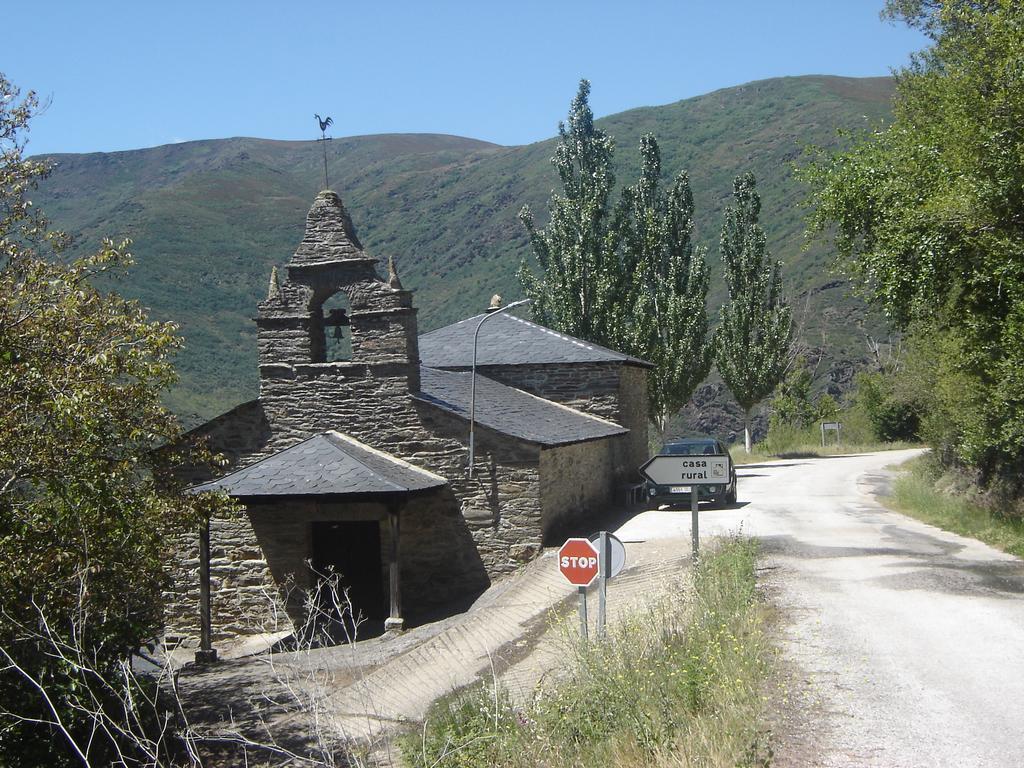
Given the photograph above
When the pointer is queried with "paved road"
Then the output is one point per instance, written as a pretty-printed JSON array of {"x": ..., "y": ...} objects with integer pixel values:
[{"x": 908, "y": 641}]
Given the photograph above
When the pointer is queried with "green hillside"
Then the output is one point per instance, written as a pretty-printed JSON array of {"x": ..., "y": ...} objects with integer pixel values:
[{"x": 210, "y": 218}]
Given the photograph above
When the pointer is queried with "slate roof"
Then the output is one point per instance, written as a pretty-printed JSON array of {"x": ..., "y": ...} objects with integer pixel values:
[
  {"x": 509, "y": 340},
  {"x": 511, "y": 411},
  {"x": 325, "y": 464}
]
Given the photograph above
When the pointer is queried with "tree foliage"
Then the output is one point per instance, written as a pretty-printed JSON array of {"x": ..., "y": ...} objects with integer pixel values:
[
  {"x": 627, "y": 276},
  {"x": 754, "y": 338},
  {"x": 87, "y": 508},
  {"x": 580, "y": 277},
  {"x": 667, "y": 284},
  {"x": 927, "y": 216}
]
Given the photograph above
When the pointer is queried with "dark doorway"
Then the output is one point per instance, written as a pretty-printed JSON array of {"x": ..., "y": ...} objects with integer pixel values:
[{"x": 351, "y": 550}]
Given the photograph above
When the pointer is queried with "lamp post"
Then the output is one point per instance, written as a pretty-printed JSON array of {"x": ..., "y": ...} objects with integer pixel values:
[{"x": 472, "y": 386}]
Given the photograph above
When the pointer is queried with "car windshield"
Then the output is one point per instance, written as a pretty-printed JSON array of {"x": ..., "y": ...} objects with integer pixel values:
[{"x": 690, "y": 449}]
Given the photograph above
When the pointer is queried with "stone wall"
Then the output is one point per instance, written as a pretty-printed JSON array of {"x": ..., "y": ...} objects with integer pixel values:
[
  {"x": 501, "y": 502},
  {"x": 576, "y": 482},
  {"x": 610, "y": 391},
  {"x": 589, "y": 387},
  {"x": 633, "y": 403},
  {"x": 243, "y": 593}
]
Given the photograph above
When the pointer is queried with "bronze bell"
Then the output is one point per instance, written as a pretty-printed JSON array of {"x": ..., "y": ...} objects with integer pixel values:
[{"x": 337, "y": 317}]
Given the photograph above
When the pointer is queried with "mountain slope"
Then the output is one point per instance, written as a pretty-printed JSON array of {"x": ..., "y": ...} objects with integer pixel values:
[{"x": 210, "y": 218}]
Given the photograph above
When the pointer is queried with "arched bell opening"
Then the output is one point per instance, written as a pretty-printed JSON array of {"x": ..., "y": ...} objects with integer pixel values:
[{"x": 330, "y": 330}]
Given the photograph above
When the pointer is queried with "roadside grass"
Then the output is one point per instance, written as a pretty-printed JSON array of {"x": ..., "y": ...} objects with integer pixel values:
[
  {"x": 809, "y": 451},
  {"x": 917, "y": 492},
  {"x": 785, "y": 442},
  {"x": 680, "y": 685}
]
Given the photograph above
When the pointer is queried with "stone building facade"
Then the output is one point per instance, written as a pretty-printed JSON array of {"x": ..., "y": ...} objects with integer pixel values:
[{"x": 360, "y": 465}]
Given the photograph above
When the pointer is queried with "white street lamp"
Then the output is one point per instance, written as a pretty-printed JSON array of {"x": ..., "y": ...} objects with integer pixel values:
[{"x": 472, "y": 390}]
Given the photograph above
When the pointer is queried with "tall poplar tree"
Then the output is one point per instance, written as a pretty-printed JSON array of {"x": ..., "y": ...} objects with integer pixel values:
[
  {"x": 754, "y": 338},
  {"x": 580, "y": 276},
  {"x": 664, "y": 298}
]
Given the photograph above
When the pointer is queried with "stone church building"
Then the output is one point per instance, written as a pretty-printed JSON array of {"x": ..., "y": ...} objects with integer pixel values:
[{"x": 359, "y": 465}]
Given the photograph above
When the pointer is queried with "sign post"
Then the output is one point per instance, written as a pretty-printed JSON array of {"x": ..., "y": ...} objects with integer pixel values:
[
  {"x": 604, "y": 562},
  {"x": 831, "y": 426},
  {"x": 694, "y": 523},
  {"x": 583, "y": 611},
  {"x": 684, "y": 473},
  {"x": 578, "y": 561},
  {"x": 611, "y": 559}
]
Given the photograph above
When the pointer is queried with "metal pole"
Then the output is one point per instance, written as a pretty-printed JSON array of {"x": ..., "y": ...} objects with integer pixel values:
[
  {"x": 327, "y": 183},
  {"x": 583, "y": 612},
  {"x": 605, "y": 567},
  {"x": 695, "y": 531},
  {"x": 472, "y": 386}
]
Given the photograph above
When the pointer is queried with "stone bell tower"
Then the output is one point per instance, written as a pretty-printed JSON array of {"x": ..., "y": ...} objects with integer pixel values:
[{"x": 295, "y": 375}]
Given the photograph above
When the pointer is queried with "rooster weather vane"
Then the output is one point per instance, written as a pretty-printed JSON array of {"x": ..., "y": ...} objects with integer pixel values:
[{"x": 325, "y": 123}]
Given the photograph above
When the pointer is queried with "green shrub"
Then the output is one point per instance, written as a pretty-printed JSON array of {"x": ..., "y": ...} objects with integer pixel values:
[{"x": 892, "y": 412}]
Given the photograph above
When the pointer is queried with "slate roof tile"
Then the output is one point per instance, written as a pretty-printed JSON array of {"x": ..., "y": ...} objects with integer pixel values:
[
  {"x": 509, "y": 340},
  {"x": 328, "y": 463},
  {"x": 512, "y": 411}
]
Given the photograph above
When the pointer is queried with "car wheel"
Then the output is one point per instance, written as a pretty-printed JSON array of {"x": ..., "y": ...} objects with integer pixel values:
[{"x": 730, "y": 497}]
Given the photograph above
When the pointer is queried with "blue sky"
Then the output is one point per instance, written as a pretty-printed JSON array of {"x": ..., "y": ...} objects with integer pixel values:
[{"x": 137, "y": 74}]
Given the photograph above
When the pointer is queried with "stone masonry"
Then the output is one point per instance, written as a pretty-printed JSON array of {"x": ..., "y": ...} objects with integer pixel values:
[{"x": 453, "y": 540}]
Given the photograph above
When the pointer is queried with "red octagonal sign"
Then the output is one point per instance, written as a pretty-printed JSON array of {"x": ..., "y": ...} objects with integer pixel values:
[{"x": 577, "y": 560}]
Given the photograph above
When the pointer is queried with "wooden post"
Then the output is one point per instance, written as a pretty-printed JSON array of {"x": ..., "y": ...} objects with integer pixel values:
[
  {"x": 206, "y": 653},
  {"x": 395, "y": 620}
]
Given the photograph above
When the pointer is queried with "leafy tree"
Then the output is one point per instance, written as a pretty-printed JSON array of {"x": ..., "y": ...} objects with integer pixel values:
[
  {"x": 827, "y": 408},
  {"x": 580, "y": 275},
  {"x": 792, "y": 405},
  {"x": 87, "y": 508},
  {"x": 756, "y": 331},
  {"x": 926, "y": 216},
  {"x": 665, "y": 296}
]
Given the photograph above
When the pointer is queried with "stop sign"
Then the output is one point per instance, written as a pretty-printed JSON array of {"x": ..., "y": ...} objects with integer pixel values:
[{"x": 577, "y": 560}]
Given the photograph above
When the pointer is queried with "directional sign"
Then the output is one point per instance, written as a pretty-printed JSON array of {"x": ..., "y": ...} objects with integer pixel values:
[
  {"x": 667, "y": 469},
  {"x": 577, "y": 560}
]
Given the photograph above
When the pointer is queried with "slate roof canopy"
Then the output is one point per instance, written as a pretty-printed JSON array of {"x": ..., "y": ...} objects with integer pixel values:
[
  {"x": 510, "y": 340},
  {"x": 326, "y": 464},
  {"x": 512, "y": 411},
  {"x": 329, "y": 234}
]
